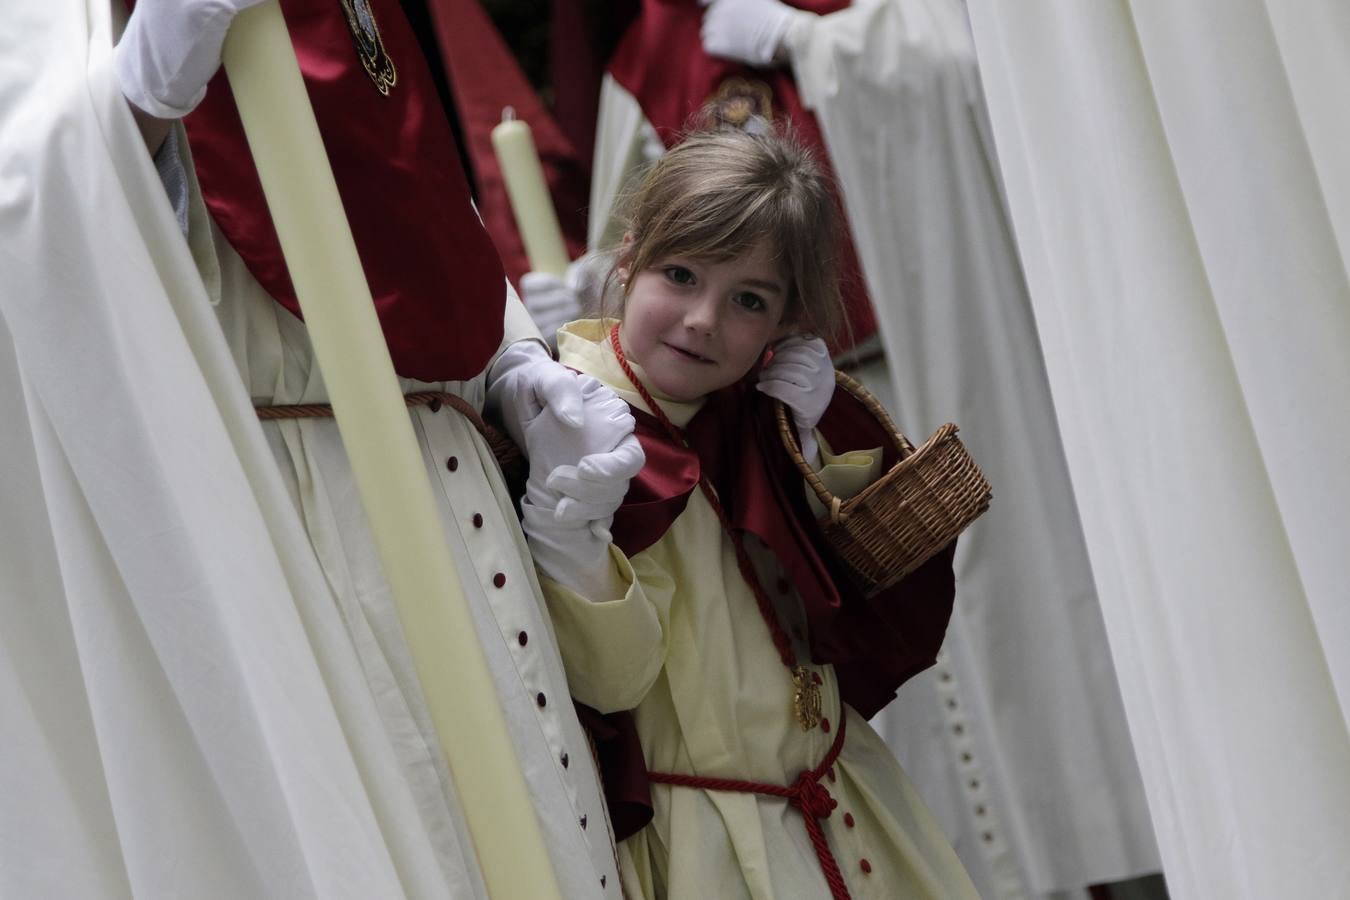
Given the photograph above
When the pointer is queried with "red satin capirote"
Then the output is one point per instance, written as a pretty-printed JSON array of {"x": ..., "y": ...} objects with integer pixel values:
[
  {"x": 661, "y": 62},
  {"x": 433, "y": 272}
]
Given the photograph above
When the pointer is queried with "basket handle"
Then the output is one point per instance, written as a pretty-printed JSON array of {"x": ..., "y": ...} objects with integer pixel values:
[{"x": 788, "y": 433}]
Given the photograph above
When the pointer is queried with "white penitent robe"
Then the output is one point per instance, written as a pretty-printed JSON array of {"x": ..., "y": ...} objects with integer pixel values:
[
  {"x": 1017, "y": 739},
  {"x": 204, "y": 690},
  {"x": 1020, "y": 727},
  {"x": 1179, "y": 179}
]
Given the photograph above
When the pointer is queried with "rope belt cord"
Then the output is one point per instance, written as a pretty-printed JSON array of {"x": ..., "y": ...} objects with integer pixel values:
[
  {"x": 503, "y": 448},
  {"x": 811, "y": 798},
  {"x": 432, "y": 399}
]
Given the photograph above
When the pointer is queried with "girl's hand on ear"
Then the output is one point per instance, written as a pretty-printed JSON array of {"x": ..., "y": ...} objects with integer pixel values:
[{"x": 801, "y": 375}]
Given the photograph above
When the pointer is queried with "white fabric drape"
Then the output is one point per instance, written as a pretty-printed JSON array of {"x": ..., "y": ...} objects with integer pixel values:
[
  {"x": 1179, "y": 182},
  {"x": 204, "y": 690},
  {"x": 1017, "y": 737},
  {"x": 154, "y": 602}
]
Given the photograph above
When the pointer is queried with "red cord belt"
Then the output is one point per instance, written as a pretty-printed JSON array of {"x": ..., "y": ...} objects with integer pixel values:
[{"x": 807, "y": 794}]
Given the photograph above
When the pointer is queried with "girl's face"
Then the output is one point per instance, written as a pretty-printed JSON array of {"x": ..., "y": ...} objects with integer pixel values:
[{"x": 696, "y": 325}]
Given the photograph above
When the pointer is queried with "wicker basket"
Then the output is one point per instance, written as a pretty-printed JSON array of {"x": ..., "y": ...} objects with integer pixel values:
[{"x": 899, "y": 521}]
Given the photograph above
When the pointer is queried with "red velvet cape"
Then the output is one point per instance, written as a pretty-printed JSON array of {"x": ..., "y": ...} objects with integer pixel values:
[
  {"x": 434, "y": 274},
  {"x": 875, "y": 644}
]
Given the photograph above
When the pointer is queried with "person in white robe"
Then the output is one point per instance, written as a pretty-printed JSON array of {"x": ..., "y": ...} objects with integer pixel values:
[{"x": 204, "y": 688}]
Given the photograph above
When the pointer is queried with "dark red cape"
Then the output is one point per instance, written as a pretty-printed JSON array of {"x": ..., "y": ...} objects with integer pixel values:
[
  {"x": 434, "y": 274},
  {"x": 875, "y": 644},
  {"x": 661, "y": 62}
]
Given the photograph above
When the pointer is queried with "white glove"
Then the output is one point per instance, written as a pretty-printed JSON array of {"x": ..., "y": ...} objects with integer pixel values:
[
  {"x": 586, "y": 469},
  {"x": 578, "y": 479},
  {"x": 605, "y": 421},
  {"x": 801, "y": 375},
  {"x": 169, "y": 51},
  {"x": 570, "y": 553},
  {"x": 553, "y": 302},
  {"x": 524, "y": 382},
  {"x": 593, "y": 490},
  {"x": 550, "y": 302},
  {"x": 750, "y": 31}
]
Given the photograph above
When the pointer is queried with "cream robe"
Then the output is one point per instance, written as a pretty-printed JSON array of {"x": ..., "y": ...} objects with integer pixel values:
[
  {"x": 686, "y": 647},
  {"x": 204, "y": 690},
  {"x": 276, "y": 362}
]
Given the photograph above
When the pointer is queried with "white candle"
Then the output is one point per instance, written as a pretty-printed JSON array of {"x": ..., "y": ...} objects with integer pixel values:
[
  {"x": 386, "y": 461},
  {"x": 530, "y": 201}
]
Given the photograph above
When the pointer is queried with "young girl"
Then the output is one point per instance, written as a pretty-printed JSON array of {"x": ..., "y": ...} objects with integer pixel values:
[{"x": 717, "y": 614}]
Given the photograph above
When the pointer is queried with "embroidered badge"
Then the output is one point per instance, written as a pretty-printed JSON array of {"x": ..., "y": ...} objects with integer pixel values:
[
  {"x": 805, "y": 698},
  {"x": 369, "y": 47},
  {"x": 741, "y": 103}
]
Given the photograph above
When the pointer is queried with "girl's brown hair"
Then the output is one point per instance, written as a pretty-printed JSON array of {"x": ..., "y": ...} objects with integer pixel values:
[{"x": 718, "y": 193}]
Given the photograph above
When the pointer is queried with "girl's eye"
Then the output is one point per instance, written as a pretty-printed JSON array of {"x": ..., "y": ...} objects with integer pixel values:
[
  {"x": 679, "y": 275},
  {"x": 751, "y": 301}
]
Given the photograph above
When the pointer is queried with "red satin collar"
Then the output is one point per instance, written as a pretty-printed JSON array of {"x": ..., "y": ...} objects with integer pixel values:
[{"x": 734, "y": 440}]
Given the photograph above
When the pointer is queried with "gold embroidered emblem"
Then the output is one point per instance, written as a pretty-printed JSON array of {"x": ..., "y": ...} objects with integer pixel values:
[
  {"x": 739, "y": 102},
  {"x": 805, "y": 698},
  {"x": 369, "y": 47}
]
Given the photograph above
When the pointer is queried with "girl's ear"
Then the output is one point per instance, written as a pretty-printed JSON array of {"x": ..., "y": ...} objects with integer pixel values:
[
  {"x": 625, "y": 253},
  {"x": 790, "y": 322}
]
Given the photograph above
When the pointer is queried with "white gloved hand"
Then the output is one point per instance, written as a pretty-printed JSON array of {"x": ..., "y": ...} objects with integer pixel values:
[
  {"x": 801, "y": 375},
  {"x": 526, "y": 381},
  {"x": 550, "y": 302},
  {"x": 749, "y": 31},
  {"x": 553, "y": 301},
  {"x": 605, "y": 421},
  {"x": 586, "y": 468},
  {"x": 593, "y": 490},
  {"x": 169, "y": 51},
  {"x": 570, "y": 553}
]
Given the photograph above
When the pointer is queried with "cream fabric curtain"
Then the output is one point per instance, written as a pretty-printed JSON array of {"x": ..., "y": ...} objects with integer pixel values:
[{"x": 1179, "y": 182}]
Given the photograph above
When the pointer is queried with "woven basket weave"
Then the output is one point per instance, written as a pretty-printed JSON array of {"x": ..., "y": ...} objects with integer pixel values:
[{"x": 899, "y": 521}]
